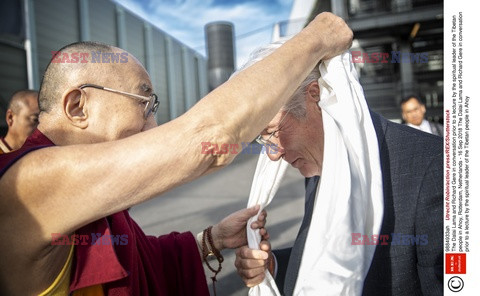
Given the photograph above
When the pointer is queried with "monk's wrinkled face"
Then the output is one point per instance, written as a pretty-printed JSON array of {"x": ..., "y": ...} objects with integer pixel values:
[
  {"x": 300, "y": 141},
  {"x": 115, "y": 116},
  {"x": 413, "y": 112}
]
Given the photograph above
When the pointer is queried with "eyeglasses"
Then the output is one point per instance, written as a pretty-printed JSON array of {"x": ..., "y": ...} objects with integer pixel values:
[
  {"x": 152, "y": 101},
  {"x": 266, "y": 141}
]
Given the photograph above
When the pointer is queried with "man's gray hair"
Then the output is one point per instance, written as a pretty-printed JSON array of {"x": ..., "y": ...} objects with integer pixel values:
[{"x": 296, "y": 104}]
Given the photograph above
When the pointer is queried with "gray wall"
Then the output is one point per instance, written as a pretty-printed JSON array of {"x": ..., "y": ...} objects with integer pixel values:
[{"x": 13, "y": 76}]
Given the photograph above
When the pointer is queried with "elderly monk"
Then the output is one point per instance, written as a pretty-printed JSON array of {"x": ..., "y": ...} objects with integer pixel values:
[
  {"x": 97, "y": 152},
  {"x": 21, "y": 118}
]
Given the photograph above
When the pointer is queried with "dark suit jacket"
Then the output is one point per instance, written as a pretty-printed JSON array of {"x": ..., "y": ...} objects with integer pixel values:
[
  {"x": 437, "y": 128},
  {"x": 412, "y": 170}
]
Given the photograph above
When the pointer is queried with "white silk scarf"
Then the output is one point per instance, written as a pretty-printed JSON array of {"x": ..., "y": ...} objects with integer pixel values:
[{"x": 349, "y": 198}]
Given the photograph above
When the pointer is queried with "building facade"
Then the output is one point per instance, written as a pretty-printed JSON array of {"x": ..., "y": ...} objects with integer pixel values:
[{"x": 397, "y": 50}]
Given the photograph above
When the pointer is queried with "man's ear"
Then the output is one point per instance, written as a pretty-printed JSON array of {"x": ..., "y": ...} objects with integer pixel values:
[
  {"x": 75, "y": 107},
  {"x": 313, "y": 91},
  {"x": 9, "y": 117}
]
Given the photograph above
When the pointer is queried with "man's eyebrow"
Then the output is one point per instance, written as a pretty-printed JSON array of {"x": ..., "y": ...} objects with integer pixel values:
[
  {"x": 269, "y": 126},
  {"x": 275, "y": 124}
]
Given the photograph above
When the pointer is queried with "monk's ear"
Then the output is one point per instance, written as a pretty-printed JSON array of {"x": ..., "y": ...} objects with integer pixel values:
[
  {"x": 9, "y": 117},
  {"x": 75, "y": 107},
  {"x": 313, "y": 91}
]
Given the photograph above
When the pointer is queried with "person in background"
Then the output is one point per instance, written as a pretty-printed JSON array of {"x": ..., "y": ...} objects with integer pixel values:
[
  {"x": 413, "y": 112},
  {"x": 22, "y": 119}
]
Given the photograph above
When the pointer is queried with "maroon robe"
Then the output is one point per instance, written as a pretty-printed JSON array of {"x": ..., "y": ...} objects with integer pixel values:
[{"x": 118, "y": 255}]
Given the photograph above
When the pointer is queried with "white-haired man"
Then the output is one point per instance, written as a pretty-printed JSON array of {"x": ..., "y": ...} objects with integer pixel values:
[{"x": 411, "y": 172}]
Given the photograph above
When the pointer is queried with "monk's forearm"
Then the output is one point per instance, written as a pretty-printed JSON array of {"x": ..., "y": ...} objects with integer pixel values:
[{"x": 246, "y": 103}]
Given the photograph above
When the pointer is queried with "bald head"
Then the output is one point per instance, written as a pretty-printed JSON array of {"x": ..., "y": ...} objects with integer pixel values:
[
  {"x": 84, "y": 62},
  {"x": 21, "y": 117},
  {"x": 23, "y": 98},
  {"x": 84, "y": 96}
]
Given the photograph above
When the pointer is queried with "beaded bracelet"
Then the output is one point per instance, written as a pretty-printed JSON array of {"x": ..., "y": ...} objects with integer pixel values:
[{"x": 206, "y": 252}]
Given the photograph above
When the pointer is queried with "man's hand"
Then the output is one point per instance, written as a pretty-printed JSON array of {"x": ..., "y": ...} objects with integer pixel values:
[
  {"x": 230, "y": 232},
  {"x": 333, "y": 33},
  {"x": 251, "y": 264}
]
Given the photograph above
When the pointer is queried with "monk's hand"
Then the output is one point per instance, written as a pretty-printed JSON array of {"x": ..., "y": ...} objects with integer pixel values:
[
  {"x": 332, "y": 32},
  {"x": 231, "y": 231},
  {"x": 251, "y": 264}
]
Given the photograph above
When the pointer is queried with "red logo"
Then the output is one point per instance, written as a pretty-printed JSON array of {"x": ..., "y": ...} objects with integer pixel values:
[{"x": 455, "y": 263}]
